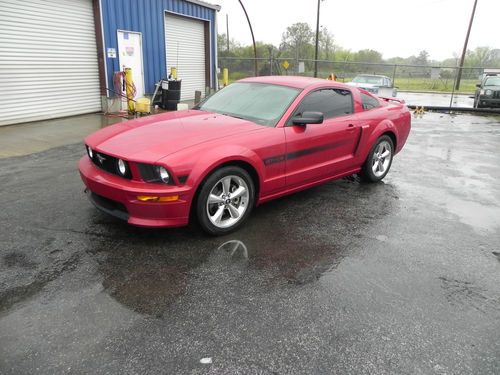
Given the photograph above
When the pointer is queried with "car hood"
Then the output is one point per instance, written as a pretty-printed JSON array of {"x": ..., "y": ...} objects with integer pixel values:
[
  {"x": 492, "y": 88},
  {"x": 151, "y": 138}
]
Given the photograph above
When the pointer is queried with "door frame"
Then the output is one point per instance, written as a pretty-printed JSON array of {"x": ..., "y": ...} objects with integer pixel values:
[
  {"x": 118, "y": 31},
  {"x": 207, "y": 24}
]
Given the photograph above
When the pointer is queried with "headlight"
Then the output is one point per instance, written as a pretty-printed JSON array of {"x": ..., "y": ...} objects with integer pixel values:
[
  {"x": 488, "y": 92},
  {"x": 90, "y": 152},
  {"x": 164, "y": 175},
  {"x": 122, "y": 167}
]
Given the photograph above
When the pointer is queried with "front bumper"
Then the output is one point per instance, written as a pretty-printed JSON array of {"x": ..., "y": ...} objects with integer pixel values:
[
  {"x": 117, "y": 196},
  {"x": 489, "y": 102}
]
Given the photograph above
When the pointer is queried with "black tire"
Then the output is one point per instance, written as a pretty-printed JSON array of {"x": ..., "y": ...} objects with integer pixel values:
[
  {"x": 383, "y": 144},
  {"x": 208, "y": 213}
]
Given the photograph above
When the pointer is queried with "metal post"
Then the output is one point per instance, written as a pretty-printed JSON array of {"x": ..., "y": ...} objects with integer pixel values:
[
  {"x": 394, "y": 75},
  {"x": 453, "y": 91},
  {"x": 253, "y": 39},
  {"x": 317, "y": 42},
  {"x": 270, "y": 60},
  {"x": 129, "y": 89},
  {"x": 227, "y": 31},
  {"x": 459, "y": 76}
]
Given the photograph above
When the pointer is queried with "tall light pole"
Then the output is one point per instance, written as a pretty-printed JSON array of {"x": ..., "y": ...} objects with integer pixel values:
[
  {"x": 253, "y": 39},
  {"x": 462, "y": 59},
  {"x": 317, "y": 43},
  {"x": 227, "y": 31}
]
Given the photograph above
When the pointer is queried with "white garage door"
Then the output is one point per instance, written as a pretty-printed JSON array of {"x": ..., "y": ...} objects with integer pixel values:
[
  {"x": 48, "y": 60},
  {"x": 185, "y": 44}
]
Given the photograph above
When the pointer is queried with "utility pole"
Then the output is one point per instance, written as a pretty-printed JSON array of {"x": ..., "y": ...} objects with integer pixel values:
[
  {"x": 227, "y": 31},
  {"x": 253, "y": 39},
  {"x": 462, "y": 59},
  {"x": 317, "y": 42}
]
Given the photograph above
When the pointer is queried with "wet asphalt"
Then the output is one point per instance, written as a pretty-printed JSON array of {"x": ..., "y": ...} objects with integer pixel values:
[{"x": 399, "y": 277}]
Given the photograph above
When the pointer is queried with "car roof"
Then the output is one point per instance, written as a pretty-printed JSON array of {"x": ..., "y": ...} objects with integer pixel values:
[
  {"x": 298, "y": 82},
  {"x": 371, "y": 75}
]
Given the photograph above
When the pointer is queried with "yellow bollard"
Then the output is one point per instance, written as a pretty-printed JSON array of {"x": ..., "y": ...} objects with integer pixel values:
[
  {"x": 173, "y": 72},
  {"x": 225, "y": 77},
  {"x": 129, "y": 86}
]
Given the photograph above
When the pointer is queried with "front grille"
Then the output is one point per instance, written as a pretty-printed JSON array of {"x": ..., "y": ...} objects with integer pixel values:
[
  {"x": 109, "y": 164},
  {"x": 496, "y": 94}
]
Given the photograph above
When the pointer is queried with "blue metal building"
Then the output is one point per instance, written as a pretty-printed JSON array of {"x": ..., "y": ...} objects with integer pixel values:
[{"x": 151, "y": 36}]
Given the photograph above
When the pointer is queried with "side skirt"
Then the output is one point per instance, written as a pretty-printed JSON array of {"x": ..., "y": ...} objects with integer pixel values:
[{"x": 282, "y": 193}]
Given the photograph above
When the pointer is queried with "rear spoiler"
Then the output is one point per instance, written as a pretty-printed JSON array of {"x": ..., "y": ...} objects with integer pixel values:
[{"x": 401, "y": 101}]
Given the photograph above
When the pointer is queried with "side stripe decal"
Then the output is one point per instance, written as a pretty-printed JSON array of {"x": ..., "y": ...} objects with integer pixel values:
[{"x": 304, "y": 152}]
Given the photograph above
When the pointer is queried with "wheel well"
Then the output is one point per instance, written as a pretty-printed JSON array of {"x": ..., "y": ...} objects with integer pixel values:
[
  {"x": 393, "y": 138},
  {"x": 238, "y": 163}
]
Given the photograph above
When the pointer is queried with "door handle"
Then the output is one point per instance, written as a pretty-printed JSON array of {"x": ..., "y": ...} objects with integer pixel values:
[{"x": 350, "y": 128}]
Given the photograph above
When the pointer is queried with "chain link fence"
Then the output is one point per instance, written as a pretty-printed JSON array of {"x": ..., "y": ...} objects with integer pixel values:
[{"x": 405, "y": 77}]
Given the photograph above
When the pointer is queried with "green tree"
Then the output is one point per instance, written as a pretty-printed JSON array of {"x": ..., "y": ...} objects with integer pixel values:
[
  {"x": 368, "y": 55},
  {"x": 326, "y": 45},
  {"x": 297, "y": 41},
  {"x": 422, "y": 58}
]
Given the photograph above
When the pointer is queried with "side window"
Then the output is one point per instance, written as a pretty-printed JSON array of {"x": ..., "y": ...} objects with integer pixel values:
[
  {"x": 330, "y": 102},
  {"x": 369, "y": 102}
]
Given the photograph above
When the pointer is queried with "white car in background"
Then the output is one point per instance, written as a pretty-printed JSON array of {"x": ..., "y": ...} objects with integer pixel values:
[{"x": 379, "y": 85}]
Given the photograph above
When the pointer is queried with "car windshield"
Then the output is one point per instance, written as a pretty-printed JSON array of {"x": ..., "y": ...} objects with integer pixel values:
[
  {"x": 373, "y": 80},
  {"x": 261, "y": 103},
  {"x": 492, "y": 81}
]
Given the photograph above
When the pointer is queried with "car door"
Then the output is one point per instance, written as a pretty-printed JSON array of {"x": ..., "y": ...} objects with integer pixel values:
[{"x": 317, "y": 151}]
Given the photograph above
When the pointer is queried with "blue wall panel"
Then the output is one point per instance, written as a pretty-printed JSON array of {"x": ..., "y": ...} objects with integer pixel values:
[{"x": 147, "y": 17}]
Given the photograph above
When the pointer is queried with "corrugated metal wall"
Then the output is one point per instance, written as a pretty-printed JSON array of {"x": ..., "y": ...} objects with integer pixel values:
[
  {"x": 147, "y": 17},
  {"x": 48, "y": 60}
]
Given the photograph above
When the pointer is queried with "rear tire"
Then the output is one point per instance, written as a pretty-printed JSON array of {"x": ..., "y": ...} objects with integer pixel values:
[
  {"x": 225, "y": 200},
  {"x": 379, "y": 160}
]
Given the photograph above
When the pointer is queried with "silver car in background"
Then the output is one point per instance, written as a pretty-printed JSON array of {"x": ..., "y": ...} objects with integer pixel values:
[{"x": 378, "y": 85}]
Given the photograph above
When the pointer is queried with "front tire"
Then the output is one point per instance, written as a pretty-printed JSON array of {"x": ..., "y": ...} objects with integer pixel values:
[
  {"x": 379, "y": 160},
  {"x": 225, "y": 200}
]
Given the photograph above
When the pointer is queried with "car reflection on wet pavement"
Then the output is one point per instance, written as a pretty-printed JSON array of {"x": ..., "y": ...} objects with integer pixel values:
[{"x": 395, "y": 277}]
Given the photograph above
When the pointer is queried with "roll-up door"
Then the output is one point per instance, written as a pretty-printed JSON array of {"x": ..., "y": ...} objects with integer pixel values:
[
  {"x": 185, "y": 46},
  {"x": 48, "y": 60}
]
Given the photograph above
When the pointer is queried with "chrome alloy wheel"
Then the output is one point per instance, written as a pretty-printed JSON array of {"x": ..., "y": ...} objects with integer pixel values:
[
  {"x": 227, "y": 201},
  {"x": 381, "y": 158}
]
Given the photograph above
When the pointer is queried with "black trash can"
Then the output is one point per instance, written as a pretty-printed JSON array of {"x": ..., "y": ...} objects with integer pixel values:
[{"x": 172, "y": 96}]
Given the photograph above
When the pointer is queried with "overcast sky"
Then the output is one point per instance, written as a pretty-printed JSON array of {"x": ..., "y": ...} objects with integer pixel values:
[{"x": 393, "y": 27}]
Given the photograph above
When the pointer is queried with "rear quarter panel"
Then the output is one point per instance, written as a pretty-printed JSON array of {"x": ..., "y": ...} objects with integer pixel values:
[{"x": 390, "y": 117}]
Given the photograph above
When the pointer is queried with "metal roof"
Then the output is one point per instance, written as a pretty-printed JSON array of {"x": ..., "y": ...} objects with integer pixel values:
[{"x": 204, "y": 4}]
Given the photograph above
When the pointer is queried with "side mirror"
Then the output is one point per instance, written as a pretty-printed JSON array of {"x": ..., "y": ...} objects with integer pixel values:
[
  {"x": 308, "y": 118},
  {"x": 478, "y": 85}
]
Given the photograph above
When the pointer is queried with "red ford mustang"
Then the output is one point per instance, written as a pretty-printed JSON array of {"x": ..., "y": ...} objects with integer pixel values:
[{"x": 253, "y": 141}]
